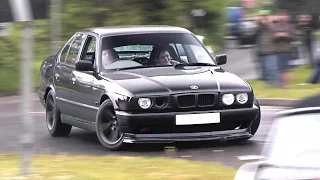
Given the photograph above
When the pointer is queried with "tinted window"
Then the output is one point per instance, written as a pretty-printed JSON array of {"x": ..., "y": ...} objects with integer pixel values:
[
  {"x": 65, "y": 50},
  {"x": 92, "y": 45},
  {"x": 64, "y": 53},
  {"x": 74, "y": 49},
  {"x": 134, "y": 48},
  {"x": 181, "y": 52},
  {"x": 89, "y": 49},
  {"x": 152, "y": 50}
]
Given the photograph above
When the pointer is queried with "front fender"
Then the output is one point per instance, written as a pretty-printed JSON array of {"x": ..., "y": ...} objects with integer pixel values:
[{"x": 119, "y": 96}]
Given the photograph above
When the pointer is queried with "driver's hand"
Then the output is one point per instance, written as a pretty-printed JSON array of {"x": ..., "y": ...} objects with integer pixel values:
[{"x": 173, "y": 62}]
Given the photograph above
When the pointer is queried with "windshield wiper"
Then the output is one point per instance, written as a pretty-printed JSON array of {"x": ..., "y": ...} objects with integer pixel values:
[
  {"x": 194, "y": 64},
  {"x": 133, "y": 67}
]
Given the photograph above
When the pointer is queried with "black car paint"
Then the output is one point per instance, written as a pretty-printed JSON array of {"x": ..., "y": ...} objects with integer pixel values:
[{"x": 125, "y": 86}]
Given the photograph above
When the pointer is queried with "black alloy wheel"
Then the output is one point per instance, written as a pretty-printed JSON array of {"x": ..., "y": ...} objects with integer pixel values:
[
  {"x": 107, "y": 127},
  {"x": 53, "y": 118}
]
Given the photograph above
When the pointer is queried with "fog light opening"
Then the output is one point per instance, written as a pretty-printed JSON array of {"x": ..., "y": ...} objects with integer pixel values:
[{"x": 161, "y": 102}]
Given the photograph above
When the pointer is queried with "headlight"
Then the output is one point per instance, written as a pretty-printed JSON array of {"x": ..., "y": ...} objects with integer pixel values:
[
  {"x": 242, "y": 98},
  {"x": 144, "y": 103},
  {"x": 228, "y": 99}
]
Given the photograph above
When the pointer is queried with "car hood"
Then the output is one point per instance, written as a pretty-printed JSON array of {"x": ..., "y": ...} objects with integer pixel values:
[{"x": 170, "y": 80}]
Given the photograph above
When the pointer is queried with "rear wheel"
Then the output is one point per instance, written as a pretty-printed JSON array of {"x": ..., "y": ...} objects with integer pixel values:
[
  {"x": 53, "y": 118},
  {"x": 107, "y": 127}
]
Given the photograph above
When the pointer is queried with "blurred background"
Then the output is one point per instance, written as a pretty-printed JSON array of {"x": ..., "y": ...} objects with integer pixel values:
[
  {"x": 226, "y": 26},
  {"x": 231, "y": 27},
  {"x": 79, "y": 14}
]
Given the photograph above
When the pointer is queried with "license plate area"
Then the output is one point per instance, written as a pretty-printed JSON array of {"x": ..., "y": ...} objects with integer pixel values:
[{"x": 192, "y": 119}]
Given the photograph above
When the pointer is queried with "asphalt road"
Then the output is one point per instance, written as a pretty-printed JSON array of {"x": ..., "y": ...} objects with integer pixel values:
[
  {"x": 242, "y": 62},
  {"x": 83, "y": 142}
]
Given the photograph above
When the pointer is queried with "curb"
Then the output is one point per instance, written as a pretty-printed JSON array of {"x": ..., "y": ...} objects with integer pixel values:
[{"x": 276, "y": 102}]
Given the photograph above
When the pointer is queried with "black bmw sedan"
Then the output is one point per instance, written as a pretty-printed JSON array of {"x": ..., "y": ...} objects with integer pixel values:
[{"x": 144, "y": 84}]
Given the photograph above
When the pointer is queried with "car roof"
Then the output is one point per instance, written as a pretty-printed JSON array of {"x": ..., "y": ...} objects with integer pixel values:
[{"x": 137, "y": 29}]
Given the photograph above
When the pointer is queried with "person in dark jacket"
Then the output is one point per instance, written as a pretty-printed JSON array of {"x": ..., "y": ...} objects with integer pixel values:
[
  {"x": 307, "y": 24},
  {"x": 262, "y": 14},
  {"x": 316, "y": 75},
  {"x": 283, "y": 38},
  {"x": 266, "y": 50}
]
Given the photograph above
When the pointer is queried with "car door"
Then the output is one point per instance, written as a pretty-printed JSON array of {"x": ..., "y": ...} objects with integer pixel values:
[
  {"x": 65, "y": 96},
  {"x": 82, "y": 85},
  {"x": 61, "y": 78}
]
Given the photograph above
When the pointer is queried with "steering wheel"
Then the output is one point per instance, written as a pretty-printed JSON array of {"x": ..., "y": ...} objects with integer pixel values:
[{"x": 141, "y": 60}]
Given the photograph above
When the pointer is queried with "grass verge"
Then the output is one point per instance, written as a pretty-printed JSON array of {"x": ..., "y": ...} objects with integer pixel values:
[
  {"x": 10, "y": 77},
  {"x": 113, "y": 167},
  {"x": 296, "y": 91}
]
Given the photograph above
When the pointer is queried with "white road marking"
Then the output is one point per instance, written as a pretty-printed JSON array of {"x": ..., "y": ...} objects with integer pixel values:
[
  {"x": 43, "y": 112},
  {"x": 250, "y": 157},
  {"x": 186, "y": 156},
  {"x": 218, "y": 150}
]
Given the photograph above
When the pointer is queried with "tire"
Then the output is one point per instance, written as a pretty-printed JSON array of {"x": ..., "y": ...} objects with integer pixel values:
[
  {"x": 53, "y": 118},
  {"x": 107, "y": 127}
]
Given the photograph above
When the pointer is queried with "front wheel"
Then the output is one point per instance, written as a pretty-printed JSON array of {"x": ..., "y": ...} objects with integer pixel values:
[{"x": 107, "y": 127}]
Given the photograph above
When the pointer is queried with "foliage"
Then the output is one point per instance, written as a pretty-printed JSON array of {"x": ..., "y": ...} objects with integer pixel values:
[
  {"x": 80, "y": 14},
  {"x": 299, "y": 6}
]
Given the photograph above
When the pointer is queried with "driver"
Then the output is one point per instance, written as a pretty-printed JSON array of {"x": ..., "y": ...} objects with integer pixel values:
[{"x": 108, "y": 56}]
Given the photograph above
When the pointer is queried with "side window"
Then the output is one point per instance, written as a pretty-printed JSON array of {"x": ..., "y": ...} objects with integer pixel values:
[
  {"x": 89, "y": 49},
  {"x": 65, "y": 51},
  {"x": 74, "y": 49},
  {"x": 92, "y": 45}
]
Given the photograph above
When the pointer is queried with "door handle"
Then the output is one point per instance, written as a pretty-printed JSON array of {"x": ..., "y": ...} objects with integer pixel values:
[
  {"x": 73, "y": 78},
  {"x": 56, "y": 75}
]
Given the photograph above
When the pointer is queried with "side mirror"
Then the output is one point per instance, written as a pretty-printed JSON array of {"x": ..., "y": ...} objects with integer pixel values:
[
  {"x": 221, "y": 59},
  {"x": 84, "y": 65}
]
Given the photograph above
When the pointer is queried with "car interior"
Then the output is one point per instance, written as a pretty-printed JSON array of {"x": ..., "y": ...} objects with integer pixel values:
[{"x": 146, "y": 58}]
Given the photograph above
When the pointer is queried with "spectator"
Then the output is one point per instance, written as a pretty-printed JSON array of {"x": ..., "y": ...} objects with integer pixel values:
[
  {"x": 307, "y": 24},
  {"x": 268, "y": 59},
  {"x": 262, "y": 14},
  {"x": 283, "y": 36},
  {"x": 316, "y": 75}
]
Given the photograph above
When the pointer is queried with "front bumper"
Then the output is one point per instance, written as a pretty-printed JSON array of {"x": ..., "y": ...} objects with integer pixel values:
[
  {"x": 184, "y": 137},
  {"x": 161, "y": 127}
]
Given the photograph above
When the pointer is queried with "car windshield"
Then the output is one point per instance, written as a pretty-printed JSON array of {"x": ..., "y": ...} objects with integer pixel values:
[{"x": 153, "y": 50}]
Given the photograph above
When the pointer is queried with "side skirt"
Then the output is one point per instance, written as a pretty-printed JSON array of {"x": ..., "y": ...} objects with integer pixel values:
[{"x": 80, "y": 123}]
